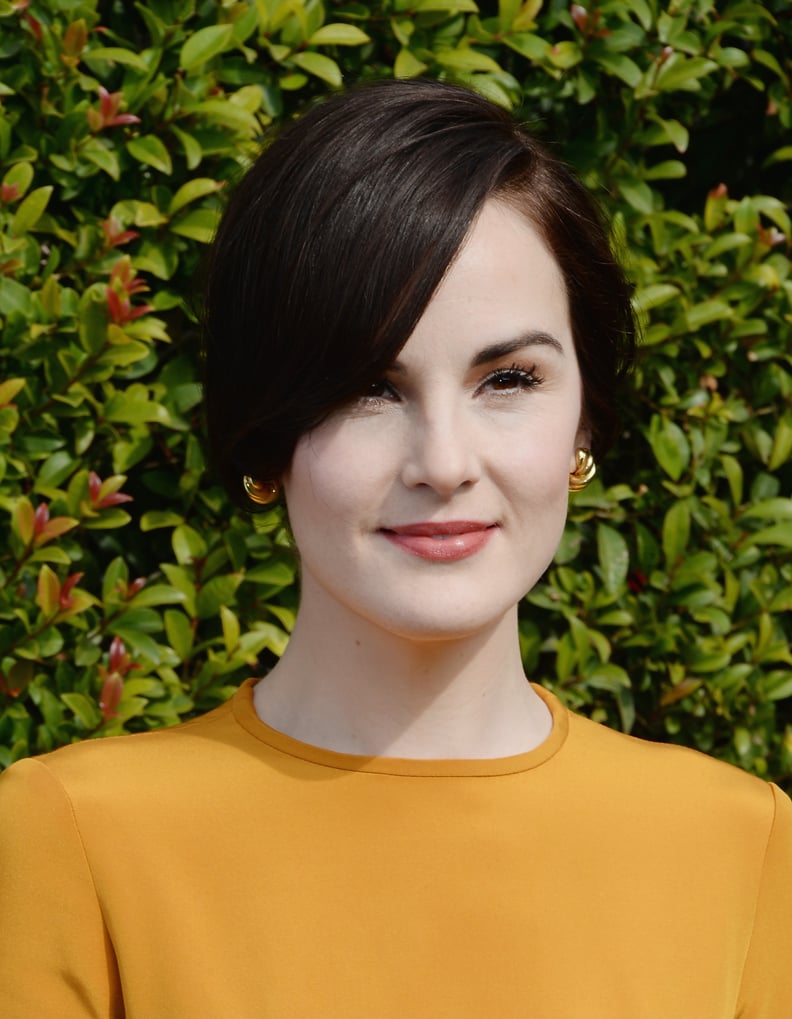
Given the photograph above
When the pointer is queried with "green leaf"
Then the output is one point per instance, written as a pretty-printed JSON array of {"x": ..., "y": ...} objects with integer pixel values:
[
  {"x": 188, "y": 545},
  {"x": 150, "y": 150},
  {"x": 137, "y": 641},
  {"x": 614, "y": 558},
  {"x": 230, "y": 625},
  {"x": 193, "y": 153},
  {"x": 530, "y": 46},
  {"x": 621, "y": 67},
  {"x": 198, "y": 224},
  {"x": 86, "y": 711},
  {"x": 669, "y": 445},
  {"x": 452, "y": 6},
  {"x": 654, "y": 295},
  {"x": 216, "y": 592},
  {"x": 769, "y": 509},
  {"x": 782, "y": 155},
  {"x": 320, "y": 66},
  {"x": 157, "y": 594},
  {"x": 676, "y": 532},
  {"x": 407, "y": 65},
  {"x": 637, "y": 194},
  {"x": 20, "y": 175},
  {"x": 670, "y": 169},
  {"x": 153, "y": 519},
  {"x": 115, "y": 55},
  {"x": 30, "y": 211},
  {"x": 179, "y": 632},
  {"x": 338, "y": 34},
  {"x": 271, "y": 573},
  {"x": 194, "y": 189},
  {"x": 734, "y": 476},
  {"x": 205, "y": 44},
  {"x": 54, "y": 471},
  {"x": 782, "y": 443},
  {"x": 778, "y": 534},
  {"x": 642, "y": 11},
  {"x": 707, "y": 311},
  {"x": 464, "y": 58},
  {"x": 679, "y": 73},
  {"x": 106, "y": 159},
  {"x": 608, "y": 677}
]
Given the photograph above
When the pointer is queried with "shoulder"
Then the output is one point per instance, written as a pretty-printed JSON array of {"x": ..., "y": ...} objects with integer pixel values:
[
  {"x": 681, "y": 785},
  {"x": 119, "y": 769}
]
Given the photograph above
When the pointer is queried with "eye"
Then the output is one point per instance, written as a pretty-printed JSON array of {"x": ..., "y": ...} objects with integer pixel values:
[
  {"x": 379, "y": 392},
  {"x": 513, "y": 379}
]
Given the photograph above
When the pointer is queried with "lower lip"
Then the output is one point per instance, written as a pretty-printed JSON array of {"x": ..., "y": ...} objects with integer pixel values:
[{"x": 441, "y": 549}]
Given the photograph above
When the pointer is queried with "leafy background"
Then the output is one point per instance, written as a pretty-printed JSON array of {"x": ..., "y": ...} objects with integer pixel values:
[{"x": 132, "y": 595}]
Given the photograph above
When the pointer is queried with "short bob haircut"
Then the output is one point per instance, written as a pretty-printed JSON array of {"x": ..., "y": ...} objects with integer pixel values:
[{"x": 335, "y": 240}]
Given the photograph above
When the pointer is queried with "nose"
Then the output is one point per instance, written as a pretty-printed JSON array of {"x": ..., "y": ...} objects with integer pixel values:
[{"x": 441, "y": 453}]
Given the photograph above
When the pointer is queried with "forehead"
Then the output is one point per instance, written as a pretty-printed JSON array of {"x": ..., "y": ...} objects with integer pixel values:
[{"x": 503, "y": 282}]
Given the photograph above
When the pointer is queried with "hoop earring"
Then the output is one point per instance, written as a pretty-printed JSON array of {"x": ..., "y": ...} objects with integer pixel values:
[
  {"x": 261, "y": 492},
  {"x": 584, "y": 471}
]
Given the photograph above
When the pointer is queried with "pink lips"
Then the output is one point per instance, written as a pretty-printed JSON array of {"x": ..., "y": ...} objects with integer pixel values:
[{"x": 442, "y": 541}]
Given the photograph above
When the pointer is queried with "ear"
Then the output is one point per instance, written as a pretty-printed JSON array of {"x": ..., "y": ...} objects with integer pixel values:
[{"x": 582, "y": 439}]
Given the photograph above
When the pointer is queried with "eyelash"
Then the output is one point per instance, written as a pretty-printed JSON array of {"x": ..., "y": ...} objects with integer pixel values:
[{"x": 515, "y": 377}]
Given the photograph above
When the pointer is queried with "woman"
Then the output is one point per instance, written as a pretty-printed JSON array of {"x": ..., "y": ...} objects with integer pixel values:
[{"x": 415, "y": 333}]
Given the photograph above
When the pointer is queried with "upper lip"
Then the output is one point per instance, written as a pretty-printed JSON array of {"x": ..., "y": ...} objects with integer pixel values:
[{"x": 430, "y": 528}]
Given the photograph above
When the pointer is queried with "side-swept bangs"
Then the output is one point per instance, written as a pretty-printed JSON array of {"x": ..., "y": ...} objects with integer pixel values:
[{"x": 335, "y": 241}]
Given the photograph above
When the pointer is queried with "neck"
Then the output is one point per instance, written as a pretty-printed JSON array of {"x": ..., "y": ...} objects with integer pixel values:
[{"x": 346, "y": 685}]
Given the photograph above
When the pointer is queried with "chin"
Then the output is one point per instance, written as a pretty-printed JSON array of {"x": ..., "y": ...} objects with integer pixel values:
[{"x": 452, "y": 624}]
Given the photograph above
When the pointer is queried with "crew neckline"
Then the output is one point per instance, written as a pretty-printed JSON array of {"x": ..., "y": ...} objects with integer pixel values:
[{"x": 244, "y": 711}]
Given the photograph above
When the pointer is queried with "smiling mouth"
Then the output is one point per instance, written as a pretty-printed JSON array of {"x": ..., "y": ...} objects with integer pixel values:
[{"x": 441, "y": 540}]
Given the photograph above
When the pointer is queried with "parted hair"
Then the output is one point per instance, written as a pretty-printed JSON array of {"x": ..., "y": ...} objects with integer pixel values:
[{"x": 335, "y": 240}]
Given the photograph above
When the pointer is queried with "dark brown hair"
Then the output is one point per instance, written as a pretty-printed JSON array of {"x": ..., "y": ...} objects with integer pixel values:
[{"x": 336, "y": 239}]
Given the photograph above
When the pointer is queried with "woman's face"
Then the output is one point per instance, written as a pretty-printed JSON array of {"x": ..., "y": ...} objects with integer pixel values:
[{"x": 433, "y": 503}]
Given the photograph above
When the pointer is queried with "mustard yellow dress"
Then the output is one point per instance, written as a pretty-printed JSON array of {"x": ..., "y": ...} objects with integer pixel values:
[{"x": 223, "y": 869}]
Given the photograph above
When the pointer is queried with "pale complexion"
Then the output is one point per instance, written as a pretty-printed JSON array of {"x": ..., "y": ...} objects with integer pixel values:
[{"x": 406, "y": 637}]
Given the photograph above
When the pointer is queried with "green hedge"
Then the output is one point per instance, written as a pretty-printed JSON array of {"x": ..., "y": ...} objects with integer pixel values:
[{"x": 132, "y": 595}]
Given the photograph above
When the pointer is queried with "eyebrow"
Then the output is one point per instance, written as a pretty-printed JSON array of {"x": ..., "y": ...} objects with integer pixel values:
[{"x": 533, "y": 338}]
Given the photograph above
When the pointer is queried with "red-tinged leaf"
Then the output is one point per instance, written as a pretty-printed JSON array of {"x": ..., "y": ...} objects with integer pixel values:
[
  {"x": 78, "y": 602},
  {"x": 106, "y": 493},
  {"x": 35, "y": 26},
  {"x": 122, "y": 118},
  {"x": 64, "y": 599},
  {"x": 108, "y": 103},
  {"x": 54, "y": 528},
  {"x": 114, "y": 233},
  {"x": 143, "y": 309},
  {"x": 110, "y": 697},
  {"x": 40, "y": 518},
  {"x": 117, "y": 307},
  {"x": 117, "y": 653}
]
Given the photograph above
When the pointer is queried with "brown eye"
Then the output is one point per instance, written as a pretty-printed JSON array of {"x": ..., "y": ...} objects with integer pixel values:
[
  {"x": 506, "y": 380},
  {"x": 380, "y": 391}
]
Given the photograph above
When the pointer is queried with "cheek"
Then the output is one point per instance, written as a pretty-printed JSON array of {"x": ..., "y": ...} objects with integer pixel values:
[{"x": 324, "y": 487}]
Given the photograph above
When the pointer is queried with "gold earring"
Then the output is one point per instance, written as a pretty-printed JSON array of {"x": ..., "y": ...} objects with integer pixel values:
[
  {"x": 584, "y": 471},
  {"x": 261, "y": 492}
]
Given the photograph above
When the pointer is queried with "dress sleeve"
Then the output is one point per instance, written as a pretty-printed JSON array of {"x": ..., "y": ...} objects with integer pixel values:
[
  {"x": 766, "y": 991},
  {"x": 56, "y": 958}
]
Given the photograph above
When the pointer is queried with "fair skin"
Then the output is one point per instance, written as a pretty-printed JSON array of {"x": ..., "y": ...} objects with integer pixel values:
[{"x": 423, "y": 513}]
